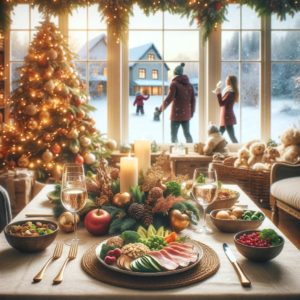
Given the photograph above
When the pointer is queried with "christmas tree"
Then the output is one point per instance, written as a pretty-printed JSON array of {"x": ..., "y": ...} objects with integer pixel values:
[{"x": 50, "y": 109}]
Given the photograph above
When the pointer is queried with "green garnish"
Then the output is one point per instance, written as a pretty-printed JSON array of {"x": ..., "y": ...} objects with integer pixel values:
[
  {"x": 104, "y": 249},
  {"x": 173, "y": 188},
  {"x": 154, "y": 242},
  {"x": 200, "y": 178},
  {"x": 271, "y": 236},
  {"x": 130, "y": 236}
]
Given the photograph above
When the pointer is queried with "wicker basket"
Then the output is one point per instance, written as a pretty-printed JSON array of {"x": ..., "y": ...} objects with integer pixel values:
[{"x": 255, "y": 183}]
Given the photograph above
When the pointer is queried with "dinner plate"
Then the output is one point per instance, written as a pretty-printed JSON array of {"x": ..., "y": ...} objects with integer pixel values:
[{"x": 150, "y": 274}]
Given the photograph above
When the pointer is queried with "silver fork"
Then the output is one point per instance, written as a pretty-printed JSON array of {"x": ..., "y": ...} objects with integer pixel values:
[
  {"x": 72, "y": 254},
  {"x": 56, "y": 254}
]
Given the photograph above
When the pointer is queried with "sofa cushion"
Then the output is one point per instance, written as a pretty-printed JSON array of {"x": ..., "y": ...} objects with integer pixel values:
[{"x": 288, "y": 191}]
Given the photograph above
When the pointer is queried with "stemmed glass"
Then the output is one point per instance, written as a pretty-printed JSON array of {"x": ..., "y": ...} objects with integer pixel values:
[
  {"x": 205, "y": 190},
  {"x": 73, "y": 191}
]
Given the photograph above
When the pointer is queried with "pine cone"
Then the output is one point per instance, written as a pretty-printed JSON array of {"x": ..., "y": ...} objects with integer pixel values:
[
  {"x": 102, "y": 200},
  {"x": 147, "y": 219},
  {"x": 155, "y": 193},
  {"x": 136, "y": 211}
]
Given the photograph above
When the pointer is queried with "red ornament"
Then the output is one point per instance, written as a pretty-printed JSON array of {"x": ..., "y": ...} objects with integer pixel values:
[
  {"x": 80, "y": 114},
  {"x": 79, "y": 159},
  {"x": 70, "y": 117},
  {"x": 218, "y": 6},
  {"x": 56, "y": 148},
  {"x": 78, "y": 101}
]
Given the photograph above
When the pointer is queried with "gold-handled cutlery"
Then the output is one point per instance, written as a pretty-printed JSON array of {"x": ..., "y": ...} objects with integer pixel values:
[
  {"x": 56, "y": 254},
  {"x": 72, "y": 255}
]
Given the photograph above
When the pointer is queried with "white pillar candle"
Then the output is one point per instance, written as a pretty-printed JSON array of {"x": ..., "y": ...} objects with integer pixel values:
[
  {"x": 142, "y": 150},
  {"x": 128, "y": 173}
]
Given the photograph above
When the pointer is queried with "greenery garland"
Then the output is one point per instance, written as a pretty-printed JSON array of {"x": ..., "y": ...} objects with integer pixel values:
[{"x": 208, "y": 13}]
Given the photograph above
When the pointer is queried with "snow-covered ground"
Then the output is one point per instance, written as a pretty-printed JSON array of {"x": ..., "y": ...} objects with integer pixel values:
[{"x": 285, "y": 113}]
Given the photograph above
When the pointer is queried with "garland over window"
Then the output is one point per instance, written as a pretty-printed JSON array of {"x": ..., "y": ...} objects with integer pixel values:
[{"x": 207, "y": 13}]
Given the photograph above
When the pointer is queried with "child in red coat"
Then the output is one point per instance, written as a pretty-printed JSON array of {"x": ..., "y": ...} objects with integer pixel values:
[{"x": 139, "y": 102}]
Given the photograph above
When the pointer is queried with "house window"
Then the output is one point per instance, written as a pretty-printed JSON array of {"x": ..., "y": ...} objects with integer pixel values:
[
  {"x": 88, "y": 38},
  {"x": 241, "y": 56},
  {"x": 285, "y": 80},
  {"x": 155, "y": 74},
  {"x": 142, "y": 73},
  {"x": 151, "y": 56},
  {"x": 157, "y": 35}
]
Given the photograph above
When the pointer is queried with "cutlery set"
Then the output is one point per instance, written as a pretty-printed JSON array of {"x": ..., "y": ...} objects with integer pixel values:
[{"x": 56, "y": 255}]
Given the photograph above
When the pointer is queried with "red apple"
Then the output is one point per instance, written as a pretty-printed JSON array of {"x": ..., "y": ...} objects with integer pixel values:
[{"x": 97, "y": 221}]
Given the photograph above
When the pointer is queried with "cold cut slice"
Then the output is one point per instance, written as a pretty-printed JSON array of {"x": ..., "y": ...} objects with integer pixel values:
[{"x": 166, "y": 263}]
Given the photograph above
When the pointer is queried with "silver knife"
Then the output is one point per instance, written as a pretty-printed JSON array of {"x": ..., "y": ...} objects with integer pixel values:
[{"x": 242, "y": 277}]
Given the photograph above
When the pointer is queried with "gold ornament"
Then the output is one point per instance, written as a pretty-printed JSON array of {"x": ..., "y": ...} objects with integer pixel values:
[
  {"x": 30, "y": 110},
  {"x": 44, "y": 115},
  {"x": 32, "y": 124},
  {"x": 73, "y": 134},
  {"x": 74, "y": 148},
  {"x": 49, "y": 72},
  {"x": 47, "y": 137},
  {"x": 121, "y": 199},
  {"x": 89, "y": 158},
  {"x": 23, "y": 161},
  {"x": 111, "y": 144},
  {"x": 179, "y": 220},
  {"x": 82, "y": 128},
  {"x": 47, "y": 156},
  {"x": 85, "y": 141},
  {"x": 66, "y": 222},
  {"x": 49, "y": 86},
  {"x": 52, "y": 54}
]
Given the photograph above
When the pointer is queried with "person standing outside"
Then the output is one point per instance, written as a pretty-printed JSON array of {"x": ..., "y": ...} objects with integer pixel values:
[
  {"x": 181, "y": 95},
  {"x": 226, "y": 100},
  {"x": 139, "y": 102}
]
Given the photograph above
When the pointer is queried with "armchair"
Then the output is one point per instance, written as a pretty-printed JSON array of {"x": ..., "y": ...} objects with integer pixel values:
[{"x": 285, "y": 190}]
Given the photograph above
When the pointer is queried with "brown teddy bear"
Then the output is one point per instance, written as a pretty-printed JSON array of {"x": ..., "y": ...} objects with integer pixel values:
[
  {"x": 242, "y": 161},
  {"x": 216, "y": 143},
  {"x": 256, "y": 153},
  {"x": 290, "y": 145},
  {"x": 270, "y": 156}
]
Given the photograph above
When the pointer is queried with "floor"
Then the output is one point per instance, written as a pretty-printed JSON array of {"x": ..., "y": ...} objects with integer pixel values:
[{"x": 289, "y": 226}]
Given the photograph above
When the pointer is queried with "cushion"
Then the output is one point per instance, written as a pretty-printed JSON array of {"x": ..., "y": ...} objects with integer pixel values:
[{"x": 288, "y": 191}]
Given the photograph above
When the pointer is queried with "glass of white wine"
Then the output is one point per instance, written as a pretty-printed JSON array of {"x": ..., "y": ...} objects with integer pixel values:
[
  {"x": 205, "y": 190},
  {"x": 73, "y": 191}
]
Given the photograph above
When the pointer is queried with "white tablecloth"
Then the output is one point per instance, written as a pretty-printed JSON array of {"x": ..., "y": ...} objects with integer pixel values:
[{"x": 277, "y": 279}]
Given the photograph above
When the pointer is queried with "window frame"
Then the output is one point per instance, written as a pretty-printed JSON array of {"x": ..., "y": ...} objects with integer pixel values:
[
  {"x": 142, "y": 73},
  {"x": 154, "y": 74}
]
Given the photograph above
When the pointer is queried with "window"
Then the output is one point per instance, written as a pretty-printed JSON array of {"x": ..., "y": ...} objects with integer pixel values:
[
  {"x": 151, "y": 56},
  {"x": 156, "y": 36},
  {"x": 142, "y": 73},
  {"x": 155, "y": 74},
  {"x": 285, "y": 81},
  {"x": 241, "y": 56},
  {"x": 88, "y": 39}
]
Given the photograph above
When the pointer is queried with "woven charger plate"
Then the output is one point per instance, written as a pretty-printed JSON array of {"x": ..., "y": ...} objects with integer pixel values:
[{"x": 208, "y": 266}]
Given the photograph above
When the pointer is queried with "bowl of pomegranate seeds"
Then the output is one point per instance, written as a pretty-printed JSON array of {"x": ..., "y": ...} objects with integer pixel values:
[{"x": 259, "y": 245}]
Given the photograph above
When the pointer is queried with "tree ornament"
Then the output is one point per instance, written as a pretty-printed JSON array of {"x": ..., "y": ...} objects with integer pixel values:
[
  {"x": 85, "y": 141},
  {"x": 43, "y": 60},
  {"x": 47, "y": 137},
  {"x": 64, "y": 91},
  {"x": 136, "y": 211},
  {"x": 121, "y": 199},
  {"x": 49, "y": 72},
  {"x": 79, "y": 159},
  {"x": 82, "y": 128},
  {"x": 89, "y": 158},
  {"x": 56, "y": 148},
  {"x": 32, "y": 124},
  {"x": 111, "y": 144},
  {"x": 63, "y": 131},
  {"x": 74, "y": 148},
  {"x": 52, "y": 54},
  {"x": 30, "y": 110},
  {"x": 80, "y": 114},
  {"x": 49, "y": 86},
  {"x": 73, "y": 134},
  {"x": 23, "y": 161},
  {"x": 47, "y": 156},
  {"x": 66, "y": 221},
  {"x": 179, "y": 220},
  {"x": 115, "y": 174},
  {"x": 44, "y": 115}
]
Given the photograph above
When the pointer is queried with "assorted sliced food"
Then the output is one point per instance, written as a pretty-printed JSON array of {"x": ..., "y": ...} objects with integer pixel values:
[
  {"x": 149, "y": 251},
  {"x": 237, "y": 213}
]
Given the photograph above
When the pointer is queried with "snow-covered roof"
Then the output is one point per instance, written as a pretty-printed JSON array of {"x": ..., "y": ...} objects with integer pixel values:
[
  {"x": 92, "y": 44},
  {"x": 149, "y": 82}
]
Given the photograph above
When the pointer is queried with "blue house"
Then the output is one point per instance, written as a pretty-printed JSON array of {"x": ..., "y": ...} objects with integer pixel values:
[{"x": 147, "y": 73}]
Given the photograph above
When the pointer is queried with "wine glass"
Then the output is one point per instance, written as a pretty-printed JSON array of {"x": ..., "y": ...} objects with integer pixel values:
[
  {"x": 73, "y": 191},
  {"x": 205, "y": 190}
]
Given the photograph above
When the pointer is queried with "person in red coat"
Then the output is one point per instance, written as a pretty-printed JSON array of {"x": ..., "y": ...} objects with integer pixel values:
[
  {"x": 226, "y": 101},
  {"x": 181, "y": 95},
  {"x": 139, "y": 102}
]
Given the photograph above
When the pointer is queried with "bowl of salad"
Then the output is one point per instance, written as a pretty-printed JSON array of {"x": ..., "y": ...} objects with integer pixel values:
[{"x": 31, "y": 235}]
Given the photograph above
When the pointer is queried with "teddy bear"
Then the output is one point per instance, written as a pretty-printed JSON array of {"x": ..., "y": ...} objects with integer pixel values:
[
  {"x": 290, "y": 145},
  {"x": 242, "y": 160},
  {"x": 257, "y": 150},
  {"x": 270, "y": 156},
  {"x": 215, "y": 143}
]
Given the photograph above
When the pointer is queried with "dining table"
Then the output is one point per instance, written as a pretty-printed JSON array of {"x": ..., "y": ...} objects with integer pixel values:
[{"x": 275, "y": 279}]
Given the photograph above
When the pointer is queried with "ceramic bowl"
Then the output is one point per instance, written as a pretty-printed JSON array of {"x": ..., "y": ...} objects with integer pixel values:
[
  {"x": 225, "y": 225},
  {"x": 226, "y": 199},
  {"x": 27, "y": 243},
  {"x": 258, "y": 254}
]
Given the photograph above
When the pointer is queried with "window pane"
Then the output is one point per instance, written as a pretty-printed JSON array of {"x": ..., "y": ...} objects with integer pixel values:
[
  {"x": 37, "y": 18},
  {"x": 78, "y": 18},
  {"x": 78, "y": 40},
  {"x": 20, "y": 17},
  {"x": 176, "y": 48},
  {"x": 14, "y": 75},
  {"x": 233, "y": 17},
  {"x": 250, "y": 45},
  {"x": 230, "y": 45},
  {"x": 19, "y": 44},
  {"x": 250, "y": 101},
  {"x": 289, "y": 23},
  {"x": 285, "y": 106},
  {"x": 285, "y": 45},
  {"x": 141, "y": 21},
  {"x": 94, "y": 18},
  {"x": 172, "y": 21},
  {"x": 250, "y": 19},
  {"x": 82, "y": 71},
  {"x": 97, "y": 45}
]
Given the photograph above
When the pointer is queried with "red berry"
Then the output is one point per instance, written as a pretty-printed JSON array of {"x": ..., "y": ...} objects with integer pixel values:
[
  {"x": 110, "y": 260},
  {"x": 117, "y": 252}
]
